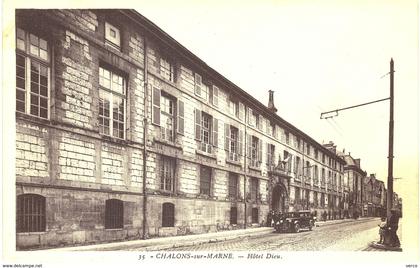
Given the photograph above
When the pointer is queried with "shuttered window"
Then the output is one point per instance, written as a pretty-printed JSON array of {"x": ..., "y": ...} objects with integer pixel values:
[
  {"x": 167, "y": 117},
  {"x": 233, "y": 142},
  {"x": 214, "y": 96},
  {"x": 254, "y": 151},
  {"x": 197, "y": 84},
  {"x": 30, "y": 214},
  {"x": 168, "y": 215},
  {"x": 233, "y": 215},
  {"x": 114, "y": 214}
]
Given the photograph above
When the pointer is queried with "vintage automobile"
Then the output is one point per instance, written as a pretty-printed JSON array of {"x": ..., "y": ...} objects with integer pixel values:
[{"x": 294, "y": 221}]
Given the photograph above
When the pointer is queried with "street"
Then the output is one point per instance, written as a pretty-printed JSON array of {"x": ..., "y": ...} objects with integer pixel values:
[{"x": 346, "y": 236}]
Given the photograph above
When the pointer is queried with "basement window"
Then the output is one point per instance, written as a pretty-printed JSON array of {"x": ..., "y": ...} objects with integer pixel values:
[
  {"x": 30, "y": 213},
  {"x": 114, "y": 214}
]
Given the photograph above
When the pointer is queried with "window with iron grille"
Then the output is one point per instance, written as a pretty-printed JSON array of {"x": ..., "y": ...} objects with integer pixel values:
[
  {"x": 205, "y": 180},
  {"x": 254, "y": 189},
  {"x": 30, "y": 214},
  {"x": 167, "y": 117},
  {"x": 254, "y": 215},
  {"x": 168, "y": 215},
  {"x": 167, "y": 173},
  {"x": 114, "y": 214},
  {"x": 32, "y": 74},
  {"x": 233, "y": 215},
  {"x": 112, "y": 99},
  {"x": 233, "y": 185}
]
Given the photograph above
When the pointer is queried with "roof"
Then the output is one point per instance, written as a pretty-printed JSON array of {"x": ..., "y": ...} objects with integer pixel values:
[{"x": 195, "y": 61}]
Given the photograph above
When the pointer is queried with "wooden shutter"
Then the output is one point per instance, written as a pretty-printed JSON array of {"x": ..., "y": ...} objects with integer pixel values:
[
  {"x": 240, "y": 141},
  {"x": 156, "y": 106},
  {"x": 180, "y": 117},
  {"x": 268, "y": 153},
  {"x": 241, "y": 111},
  {"x": 260, "y": 145},
  {"x": 215, "y": 96},
  {"x": 197, "y": 84},
  {"x": 227, "y": 136},
  {"x": 197, "y": 124},
  {"x": 249, "y": 145},
  {"x": 215, "y": 132}
]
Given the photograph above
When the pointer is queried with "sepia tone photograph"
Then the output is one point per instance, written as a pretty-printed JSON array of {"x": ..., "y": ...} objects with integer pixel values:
[{"x": 201, "y": 132}]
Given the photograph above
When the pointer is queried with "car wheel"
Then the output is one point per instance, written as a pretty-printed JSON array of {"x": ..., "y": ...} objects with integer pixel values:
[{"x": 297, "y": 228}]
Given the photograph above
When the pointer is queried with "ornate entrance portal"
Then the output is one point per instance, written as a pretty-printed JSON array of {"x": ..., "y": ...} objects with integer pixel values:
[{"x": 279, "y": 188}]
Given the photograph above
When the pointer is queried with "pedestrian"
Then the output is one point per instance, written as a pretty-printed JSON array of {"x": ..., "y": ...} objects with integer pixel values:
[
  {"x": 324, "y": 216},
  {"x": 382, "y": 230},
  {"x": 393, "y": 227}
]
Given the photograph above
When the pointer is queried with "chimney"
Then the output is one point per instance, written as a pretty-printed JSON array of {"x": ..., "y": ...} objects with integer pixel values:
[{"x": 271, "y": 102}]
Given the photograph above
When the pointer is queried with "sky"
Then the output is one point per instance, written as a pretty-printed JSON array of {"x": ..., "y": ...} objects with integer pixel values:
[{"x": 317, "y": 56}]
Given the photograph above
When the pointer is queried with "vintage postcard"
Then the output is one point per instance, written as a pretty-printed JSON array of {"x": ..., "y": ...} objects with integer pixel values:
[{"x": 216, "y": 133}]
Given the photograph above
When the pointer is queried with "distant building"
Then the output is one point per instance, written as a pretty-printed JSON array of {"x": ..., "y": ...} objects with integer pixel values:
[{"x": 354, "y": 176}]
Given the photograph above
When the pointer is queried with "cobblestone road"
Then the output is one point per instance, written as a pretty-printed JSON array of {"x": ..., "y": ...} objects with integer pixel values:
[{"x": 329, "y": 237}]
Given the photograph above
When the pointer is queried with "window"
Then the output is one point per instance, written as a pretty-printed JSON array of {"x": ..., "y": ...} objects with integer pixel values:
[
  {"x": 32, "y": 74},
  {"x": 254, "y": 215},
  {"x": 316, "y": 174},
  {"x": 297, "y": 194},
  {"x": 254, "y": 189},
  {"x": 253, "y": 118},
  {"x": 205, "y": 92},
  {"x": 30, "y": 214},
  {"x": 322, "y": 200},
  {"x": 167, "y": 70},
  {"x": 271, "y": 128},
  {"x": 233, "y": 185},
  {"x": 308, "y": 170},
  {"x": 323, "y": 158},
  {"x": 308, "y": 149},
  {"x": 233, "y": 142},
  {"x": 234, "y": 107},
  {"x": 168, "y": 215},
  {"x": 288, "y": 159},
  {"x": 214, "y": 95},
  {"x": 254, "y": 151},
  {"x": 206, "y": 131},
  {"x": 316, "y": 199},
  {"x": 287, "y": 137},
  {"x": 297, "y": 167},
  {"x": 205, "y": 180},
  {"x": 197, "y": 84},
  {"x": 316, "y": 154},
  {"x": 167, "y": 115},
  {"x": 322, "y": 177},
  {"x": 112, "y": 98},
  {"x": 270, "y": 155},
  {"x": 167, "y": 174},
  {"x": 112, "y": 36},
  {"x": 114, "y": 214},
  {"x": 298, "y": 143},
  {"x": 165, "y": 111},
  {"x": 233, "y": 215}
]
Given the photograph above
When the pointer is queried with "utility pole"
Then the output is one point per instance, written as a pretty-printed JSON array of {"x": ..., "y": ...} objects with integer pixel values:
[
  {"x": 332, "y": 113},
  {"x": 390, "y": 182}
]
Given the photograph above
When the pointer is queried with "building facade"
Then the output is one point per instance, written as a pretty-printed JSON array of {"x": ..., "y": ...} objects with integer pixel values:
[
  {"x": 374, "y": 197},
  {"x": 355, "y": 178},
  {"x": 122, "y": 133}
]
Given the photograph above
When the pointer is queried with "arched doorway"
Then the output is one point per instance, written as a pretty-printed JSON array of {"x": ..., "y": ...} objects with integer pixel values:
[{"x": 278, "y": 200}]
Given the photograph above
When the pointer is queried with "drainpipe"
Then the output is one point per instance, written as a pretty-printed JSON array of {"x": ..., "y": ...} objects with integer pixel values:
[
  {"x": 145, "y": 128},
  {"x": 245, "y": 169}
]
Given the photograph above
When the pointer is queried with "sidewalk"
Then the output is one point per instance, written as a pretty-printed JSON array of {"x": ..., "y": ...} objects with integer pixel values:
[{"x": 162, "y": 243}]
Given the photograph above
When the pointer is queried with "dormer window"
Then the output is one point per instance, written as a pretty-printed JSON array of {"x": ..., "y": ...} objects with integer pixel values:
[{"x": 112, "y": 36}]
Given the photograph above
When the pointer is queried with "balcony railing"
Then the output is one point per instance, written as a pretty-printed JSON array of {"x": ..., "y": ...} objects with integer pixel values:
[
  {"x": 232, "y": 156},
  {"x": 207, "y": 148}
]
